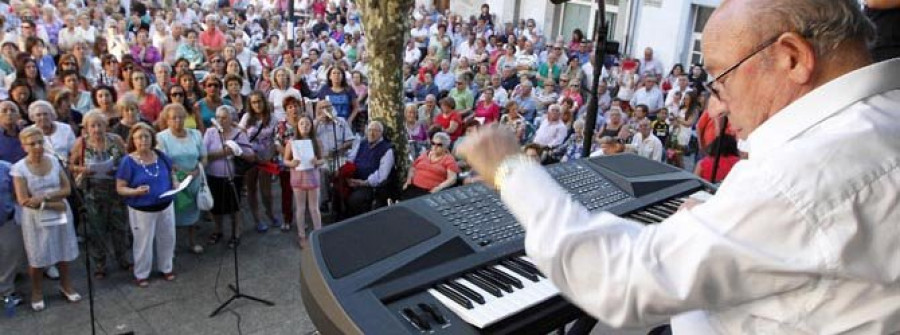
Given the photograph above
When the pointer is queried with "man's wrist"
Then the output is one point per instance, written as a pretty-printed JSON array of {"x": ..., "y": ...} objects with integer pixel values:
[{"x": 507, "y": 166}]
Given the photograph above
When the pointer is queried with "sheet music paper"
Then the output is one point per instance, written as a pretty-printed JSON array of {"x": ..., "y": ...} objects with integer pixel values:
[
  {"x": 303, "y": 152},
  {"x": 184, "y": 184}
]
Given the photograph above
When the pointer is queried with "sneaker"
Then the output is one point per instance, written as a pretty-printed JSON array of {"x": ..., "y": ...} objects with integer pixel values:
[
  {"x": 52, "y": 272},
  {"x": 262, "y": 227},
  {"x": 197, "y": 249},
  {"x": 14, "y": 297}
]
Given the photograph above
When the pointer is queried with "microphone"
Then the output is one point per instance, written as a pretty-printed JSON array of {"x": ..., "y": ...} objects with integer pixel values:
[{"x": 218, "y": 126}]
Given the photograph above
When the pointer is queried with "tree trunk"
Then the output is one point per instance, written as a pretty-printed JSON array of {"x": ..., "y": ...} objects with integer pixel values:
[{"x": 386, "y": 26}]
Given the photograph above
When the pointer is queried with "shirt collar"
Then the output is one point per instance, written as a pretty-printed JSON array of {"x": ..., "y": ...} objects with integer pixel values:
[{"x": 820, "y": 104}]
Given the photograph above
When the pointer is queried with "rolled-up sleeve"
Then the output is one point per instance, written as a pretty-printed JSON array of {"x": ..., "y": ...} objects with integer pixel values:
[
  {"x": 718, "y": 254},
  {"x": 384, "y": 169}
]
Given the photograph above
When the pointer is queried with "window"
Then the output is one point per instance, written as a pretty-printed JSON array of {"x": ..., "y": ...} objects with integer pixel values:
[
  {"x": 580, "y": 14},
  {"x": 700, "y": 15}
]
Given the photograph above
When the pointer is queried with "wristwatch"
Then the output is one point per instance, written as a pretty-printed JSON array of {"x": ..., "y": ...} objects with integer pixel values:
[{"x": 508, "y": 165}]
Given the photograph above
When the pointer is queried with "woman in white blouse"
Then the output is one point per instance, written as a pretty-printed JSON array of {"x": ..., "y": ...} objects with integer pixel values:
[{"x": 58, "y": 136}]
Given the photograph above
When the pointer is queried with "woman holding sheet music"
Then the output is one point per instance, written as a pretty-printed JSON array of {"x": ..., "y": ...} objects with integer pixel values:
[
  {"x": 305, "y": 181},
  {"x": 41, "y": 189},
  {"x": 144, "y": 175}
]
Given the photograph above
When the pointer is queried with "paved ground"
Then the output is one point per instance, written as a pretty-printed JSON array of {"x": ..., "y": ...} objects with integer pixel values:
[{"x": 269, "y": 269}]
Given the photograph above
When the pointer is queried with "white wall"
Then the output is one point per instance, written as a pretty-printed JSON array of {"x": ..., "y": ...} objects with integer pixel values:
[{"x": 664, "y": 29}]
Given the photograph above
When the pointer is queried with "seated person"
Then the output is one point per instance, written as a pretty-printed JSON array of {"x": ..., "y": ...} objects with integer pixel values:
[
  {"x": 433, "y": 171},
  {"x": 374, "y": 159}
]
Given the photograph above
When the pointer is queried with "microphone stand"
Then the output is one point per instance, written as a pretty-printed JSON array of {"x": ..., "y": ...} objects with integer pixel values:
[
  {"x": 599, "y": 52},
  {"x": 82, "y": 211},
  {"x": 335, "y": 206},
  {"x": 715, "y": 168},
  {"x": 236, "y": 288}
]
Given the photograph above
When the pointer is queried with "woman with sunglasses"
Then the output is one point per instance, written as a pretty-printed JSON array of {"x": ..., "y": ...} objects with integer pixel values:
[
  {"x": 260, "y": 124},
  {"x": 206, "y": 107},
  {"x": 433, "y": 171},
  {"x": 176, "y": 95},
  {"x": 125, "y": 83},
  {"x": 149, "y": 104},
  {"x": 216, "y": 66}
]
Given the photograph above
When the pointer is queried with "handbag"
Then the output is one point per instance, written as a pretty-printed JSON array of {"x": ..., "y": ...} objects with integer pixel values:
[
  {"x": 204, "y": 195},
  {"x": 241, "y": 165}
]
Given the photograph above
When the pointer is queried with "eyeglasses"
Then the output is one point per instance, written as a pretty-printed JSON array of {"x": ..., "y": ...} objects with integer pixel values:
[
  {"x": 177, "y": 94},
  {"x": 437, "y": 144},
  {"x": 716, "y": 91},
  {"x": 217, "y": 60}
]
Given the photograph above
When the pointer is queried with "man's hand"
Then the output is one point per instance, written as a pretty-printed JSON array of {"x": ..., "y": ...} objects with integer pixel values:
[{"x": 486, "y": 149}]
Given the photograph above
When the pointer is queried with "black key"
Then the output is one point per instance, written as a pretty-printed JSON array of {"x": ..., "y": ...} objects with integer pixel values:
[
  {"x": 483, "y": 284},
  {"x": 641, "y": 218},
  {"x": 416, "y": 319},
  {"x": 659, "y": 212},
  {"x": 507, "y": 278},
  {"x": 452, "y": 295},
  {"x": 434, "y": 312},
  {"x": 531, "y": 267},
  {"x": 518, "y": 269},
  {"x": 472, "y": 295},
  {"x": 665, "y": 210},
  {"x": 497, "y": 282}
]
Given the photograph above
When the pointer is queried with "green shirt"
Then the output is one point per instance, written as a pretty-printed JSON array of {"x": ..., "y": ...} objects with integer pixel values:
[{"x": 464, "y": 100}]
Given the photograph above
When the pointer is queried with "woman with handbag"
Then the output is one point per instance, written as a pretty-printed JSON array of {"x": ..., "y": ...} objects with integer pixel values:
[
  {"x": 184, "y": 146},
  {"x": 93, "y": 162},
  {"x": 142, "y": 178},
  {"x": 260, "y": 125},
  {"x": 41, "y": 189},
  {"x": 223, "y": 156},
  {"x": 305, "y": 183}
]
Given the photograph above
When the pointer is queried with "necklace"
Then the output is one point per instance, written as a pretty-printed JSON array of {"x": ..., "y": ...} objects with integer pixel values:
[{"x": 144, "y": 165}]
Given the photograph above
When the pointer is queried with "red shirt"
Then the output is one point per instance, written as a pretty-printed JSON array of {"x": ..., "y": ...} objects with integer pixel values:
[
  {"x": 490, "y": 112},
  {"x": 725, "y": 165},
  {"x": 444, "y": 120},
  {"x": 430, "y": 174},
  {"x": 708, "y": 130},
  {"x": 212, "y": 39}
]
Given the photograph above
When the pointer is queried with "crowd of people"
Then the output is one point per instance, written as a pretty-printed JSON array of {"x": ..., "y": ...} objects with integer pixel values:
[{"x": 107, "y": 107}]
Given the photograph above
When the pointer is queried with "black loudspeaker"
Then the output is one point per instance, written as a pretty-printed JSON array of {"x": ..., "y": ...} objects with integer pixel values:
[{"x": 612, "y": 48}]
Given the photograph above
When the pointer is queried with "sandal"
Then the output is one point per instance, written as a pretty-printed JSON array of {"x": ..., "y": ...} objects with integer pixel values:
[
  {"x": 285, "y": 228},
  {"x": 234, "y": 242},
  {"x": 169, "y": 276},
  {"x": 214, "y": 238},
  {"x": 142, "y": 282}
]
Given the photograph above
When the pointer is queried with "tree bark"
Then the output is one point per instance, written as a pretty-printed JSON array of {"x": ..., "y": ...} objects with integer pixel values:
[{"x": 386, "y": 26}]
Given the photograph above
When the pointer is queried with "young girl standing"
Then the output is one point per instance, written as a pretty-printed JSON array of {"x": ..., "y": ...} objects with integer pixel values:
[{"x": 305, "y": 183}]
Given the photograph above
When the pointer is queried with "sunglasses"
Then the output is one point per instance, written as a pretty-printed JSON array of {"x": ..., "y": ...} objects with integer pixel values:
[
  {"x": 437, "y": 144},
  {"x": 128, "y": 68},
  {"x": 213, "y": 85},
  {"x": 177, "y": 94}
]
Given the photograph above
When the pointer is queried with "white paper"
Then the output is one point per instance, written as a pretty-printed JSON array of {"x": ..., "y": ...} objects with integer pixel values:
[
  {"x": 303, "y": 152},
  {"x": 101, "y": 168},
  {"x": 49, "y": 218},
  {"x": 480, "y": 119},
  {"x": 184, "y": 184}
]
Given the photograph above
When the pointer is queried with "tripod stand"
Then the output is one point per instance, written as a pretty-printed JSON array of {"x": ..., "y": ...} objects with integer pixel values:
[{"x": 236, "y": 288}]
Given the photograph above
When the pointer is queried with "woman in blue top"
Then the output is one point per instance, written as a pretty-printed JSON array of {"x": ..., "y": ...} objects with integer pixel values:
[
  {"x": 207, "y": 106},
  {"x": 143, "y": 176},
  {"x": 340, "y": 94},
  {"x": 184, "y": 146}
]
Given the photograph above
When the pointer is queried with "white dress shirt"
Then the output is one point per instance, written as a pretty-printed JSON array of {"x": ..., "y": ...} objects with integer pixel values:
[
  {"x": 653, "y": 98},
  {"x": 551, "y": 134},
  {"x": 801, "y": 238},
  {"x": 650, "y": 147}
]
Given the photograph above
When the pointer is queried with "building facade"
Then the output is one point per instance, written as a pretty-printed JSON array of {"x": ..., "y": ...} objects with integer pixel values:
[{"x": 673, "y": 28}]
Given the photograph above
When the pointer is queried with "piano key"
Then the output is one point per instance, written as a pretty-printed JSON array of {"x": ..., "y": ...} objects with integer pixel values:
[
  {"x": 665, "y": 210},
  {"x": 518, "y": 268},
  {"x": 416, "y": 319},
  {"x": 654, "y": 217},
  {"x": 528, "y": 265},
  {"x": 543, "y": 287},
  {"x": 503, "y": 278},
  {"x": 453, "y": 296},
  {"x": 483, "y": 284},
  {"x": 659, "y": 212},
  {"x": 669, "y": 206},
  {"x": 467, "y": 292},
  {"x": 491, "y": 278},
  {"x": 641, "y": 218}
]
